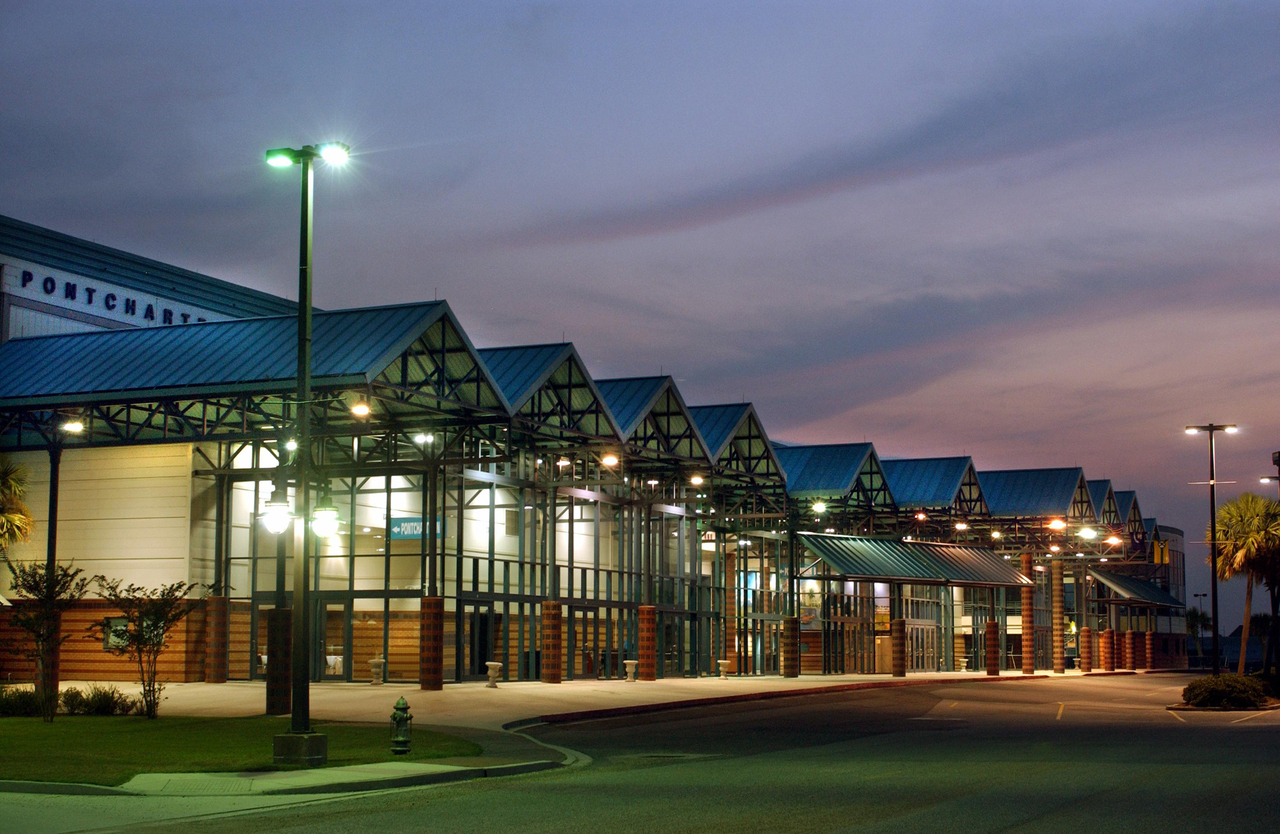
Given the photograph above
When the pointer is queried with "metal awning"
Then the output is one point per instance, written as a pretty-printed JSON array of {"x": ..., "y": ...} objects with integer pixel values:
[
  {"x": 928, "y": 563},
  {"x": 1137, "y": 590}
]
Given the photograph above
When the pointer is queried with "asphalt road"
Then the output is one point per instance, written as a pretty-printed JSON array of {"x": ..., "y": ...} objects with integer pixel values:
[{"x": 1097, "y": 754}]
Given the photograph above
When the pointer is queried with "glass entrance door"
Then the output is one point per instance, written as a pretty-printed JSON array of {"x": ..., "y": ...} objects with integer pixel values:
[{"x": 331, "y": 659}]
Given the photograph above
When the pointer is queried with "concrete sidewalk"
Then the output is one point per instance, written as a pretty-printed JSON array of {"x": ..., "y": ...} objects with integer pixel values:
[{"x": 512, "y": 704}]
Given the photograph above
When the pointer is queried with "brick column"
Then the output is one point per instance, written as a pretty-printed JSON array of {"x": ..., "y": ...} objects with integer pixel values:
[
  {"x": 791, "y": 647},
  {"x": 1126, "y": 650},
  {"x": 993, "y": 648},
  {"x": 648, "y": 666},
  {"x": 1140, "y": 660},
  {"x": 1059, "y": 606},
  {"x": 553, "y": 642},
  {"x": 279, "y": 661},
  {"x": 730, "y": 614},
  {"x": 215, "y": 639},
  {"x": 431, "y": 644},
  {"x": 1150, "y": 654},
  {"x": 898, "y": 646},
  {"x": 1086, "y": 650},
  {"x": 1107, "y": 647}
]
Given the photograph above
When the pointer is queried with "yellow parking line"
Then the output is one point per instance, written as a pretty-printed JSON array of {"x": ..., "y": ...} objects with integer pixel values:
[
  {"x": 955, "y": 704},
  {"x": 1175, "y": 715},
  {"x": 1061, "y": 707},
  {"x": 1246, "y": 718}
]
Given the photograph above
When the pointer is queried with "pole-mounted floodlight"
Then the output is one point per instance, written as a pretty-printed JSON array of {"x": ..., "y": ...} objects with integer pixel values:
[{"x": 1212, "y": 429}]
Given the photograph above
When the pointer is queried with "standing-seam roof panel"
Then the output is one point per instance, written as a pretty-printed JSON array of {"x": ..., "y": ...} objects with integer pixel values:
[
  {"x": 929, "y": 562},
  {"x": 1134, "y": 589},
  {"x": 716, "y": 424},
  {"x": 631, "y": 398},
  {"x": 823, "y": 468},
  {"x": 1098, "y": 495},
  {"x": 1030, "y": 492},
  {"x": 207, "y": 355},
  {"x": 925, "y": 483},
  {"x": 519, "y": 371}
]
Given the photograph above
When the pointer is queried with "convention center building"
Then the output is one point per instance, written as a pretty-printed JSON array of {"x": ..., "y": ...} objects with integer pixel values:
[{"x": 501, "y": 504}]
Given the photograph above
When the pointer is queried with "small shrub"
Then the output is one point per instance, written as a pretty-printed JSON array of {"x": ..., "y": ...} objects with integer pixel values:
[
  {"x": 1234, "y": 691},
  {"x": 73, "y": 702},
  {"x": 108, "y": 700},
  {"x": 19, "y": 702}
]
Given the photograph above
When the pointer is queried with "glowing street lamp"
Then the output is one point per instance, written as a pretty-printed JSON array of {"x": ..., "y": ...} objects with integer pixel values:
[
  {"x": 1211, "y": 429},
  {"x": 334, "y": 153}
]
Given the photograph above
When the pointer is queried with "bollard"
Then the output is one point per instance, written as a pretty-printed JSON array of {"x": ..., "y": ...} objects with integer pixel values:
[
  {"x": 724, "y": 669},
  {"x": 631, "y": 669},
  {"x": 376, "y": 666},
  {"x": 495, "y": 669}
]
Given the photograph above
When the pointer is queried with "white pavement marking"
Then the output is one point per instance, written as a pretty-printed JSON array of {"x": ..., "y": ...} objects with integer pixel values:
[{"x": 1175, "y": 715}]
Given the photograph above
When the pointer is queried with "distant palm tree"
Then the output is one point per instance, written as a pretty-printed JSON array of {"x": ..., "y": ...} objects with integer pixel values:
[
  {"x": 1248, "y": 531},
  {"x": 15, "y": 519},
  {"x": 1197, "y": 621}
]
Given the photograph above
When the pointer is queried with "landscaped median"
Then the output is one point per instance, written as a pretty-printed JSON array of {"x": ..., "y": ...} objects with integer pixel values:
[{"x": 112, "y": 751}]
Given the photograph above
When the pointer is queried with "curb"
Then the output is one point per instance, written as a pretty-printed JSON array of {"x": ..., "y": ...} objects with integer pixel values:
[
  {"x": 1188, "y": 708},
  {"x": 1109, "y": 674},
  {"x": 350, "y": 786},
  {"x": 666, "y": 706},
  {"x": 413, "y": 781}
]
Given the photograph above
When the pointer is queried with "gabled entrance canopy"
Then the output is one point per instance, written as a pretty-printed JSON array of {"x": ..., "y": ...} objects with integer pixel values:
[
  {"x": 1104, "y": 503},
  {"x": 1131, "y": 515},
  {"x": 849, "y": 472},
  {"x": 235, "y": 379},
  {"x": 1038, "y": 494},
  {"x": 935, "y": 484},
  {"x": 925, "y": 563},
  {"x": 550, "y": 386},
  {"x": 652, "y": 415}
]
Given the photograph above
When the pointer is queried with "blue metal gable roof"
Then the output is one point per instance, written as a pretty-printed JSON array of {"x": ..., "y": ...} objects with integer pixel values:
[
  {"x": 920, "y": 483},
  {"x": 1030, "y": 492},
  {"x": 91, "y": 260},
  {"x": 1125, "y": 500},
  {"x": 718, "y": 423},
  {"x": 520, "y": 371},
  {"x": 1098, "y": 496},
  {"x": 631, "y": 399},
  {"x": 224, "y": 355},
  {"x": 828, "y": 469}
]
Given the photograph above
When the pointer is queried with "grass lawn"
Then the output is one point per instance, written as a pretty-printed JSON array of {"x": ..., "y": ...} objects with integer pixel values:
[{"x": 110, "y": 751}]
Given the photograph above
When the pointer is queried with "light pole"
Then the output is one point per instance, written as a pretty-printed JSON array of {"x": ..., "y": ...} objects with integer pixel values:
[
  {"x": 335, "y": 153},
  {"x": 1212, "y": 429}
]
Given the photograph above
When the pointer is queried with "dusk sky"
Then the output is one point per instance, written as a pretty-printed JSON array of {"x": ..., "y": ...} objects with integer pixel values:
[{"x": 1039, "y": 234}]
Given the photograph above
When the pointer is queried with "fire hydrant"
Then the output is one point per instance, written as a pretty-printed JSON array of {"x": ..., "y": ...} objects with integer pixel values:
[{"x": 401, "y": 727}]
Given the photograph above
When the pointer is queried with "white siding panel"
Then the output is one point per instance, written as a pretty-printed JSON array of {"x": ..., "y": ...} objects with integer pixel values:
[{"x": 124, "y": 513}]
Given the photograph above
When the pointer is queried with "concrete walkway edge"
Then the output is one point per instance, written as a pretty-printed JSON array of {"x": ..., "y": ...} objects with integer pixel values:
[{"x": 690, "y": 703}]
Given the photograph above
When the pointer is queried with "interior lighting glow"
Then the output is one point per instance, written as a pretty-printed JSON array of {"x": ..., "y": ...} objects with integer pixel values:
[
  {"x": 709, "y": 547},
  {"x": 652, "y": 482},
  {"x": 420, "y": 438},
  {"x": 960, "y": 525},
  {"x": 291, "y": 445},
  {"x": 1113, "y": 540},
  {"x": 360, "y": 409},
  {"x": 830, "y": 530},
  {"x": 1080, "y": 555},
  {"x": 1103, "y": 559},
  {"x": 995, "y": 534},
  {"x": 1054, "y": 548},
  {"x": 366, "y": 529},
  {"x": 819, "y": 507},
  {"x": 562, "y": 463},
  {"x": 696, "y": 480},
  {"x": 73, "y": 427},
  {"x": 609, "y": 460},
  {"x": 1057, "y": 524},
  {"x": 921, "y": 516},
  {"x": 1088, "y": 533}
]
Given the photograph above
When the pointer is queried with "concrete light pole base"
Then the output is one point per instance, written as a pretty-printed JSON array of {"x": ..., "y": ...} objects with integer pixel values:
[{"x": 307, "y": 749}]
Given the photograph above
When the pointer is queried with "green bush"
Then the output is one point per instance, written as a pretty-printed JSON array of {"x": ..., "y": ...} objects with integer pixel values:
[
  {"x": 73, "y": 702},
  {"x": 108, "y": 700},
  {"x": 18, "y": 702},
  {"x": 1234, "y": 691}
]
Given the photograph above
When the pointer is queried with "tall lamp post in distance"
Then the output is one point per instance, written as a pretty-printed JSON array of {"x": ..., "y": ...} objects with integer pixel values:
[
  {"x": 301, "y": 745},
  {"x": 1212, "y": 429}
]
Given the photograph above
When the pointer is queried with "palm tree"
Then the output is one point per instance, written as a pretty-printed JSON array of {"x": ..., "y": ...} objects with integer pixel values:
[
  {"x": 1248, "y": 527},
  {"x": 1197, "y": 620},
  {"x": 15, "y": 519}
]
